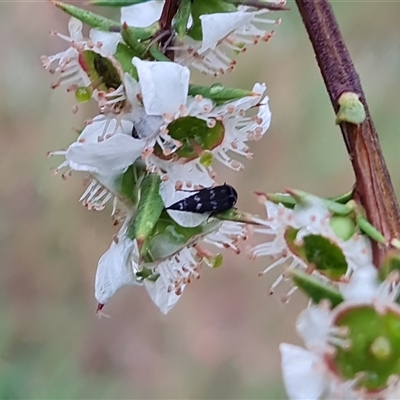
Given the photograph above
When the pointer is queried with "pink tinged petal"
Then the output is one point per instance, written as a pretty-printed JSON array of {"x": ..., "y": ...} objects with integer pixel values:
[
  {"x": 142, "y": 14},
  {"x": 164, "y": 85},
  {"x": 170, "y": 196},
  {"x": 108, "y": 157},
  {"x": 75, "y": 29},
  {"x": 114, "y": 270},
  {"x": 300, "y": 373},
  {"x": 109, "y": 41},
  {"x": 217, "y": 26},
  {"x": 160, "y": 294}
]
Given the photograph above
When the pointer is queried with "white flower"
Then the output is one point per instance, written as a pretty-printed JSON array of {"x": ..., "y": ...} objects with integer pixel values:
[
  {"x": 220, "y": 31},
  {"x": 167, "y": 98},
  {"x": 104, "y": 147},
  {"x": 69, "y": 64},
  {"x": 310, "y": 218},
  {"x": 181, "y": 268},
  {"x": 316, "y": 373},
  {"x": 231, "y": 31},
  {"x": 169, "y": 275}
]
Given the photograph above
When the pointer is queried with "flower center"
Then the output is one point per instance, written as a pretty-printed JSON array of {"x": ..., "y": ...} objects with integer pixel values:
[
  {"x": 374, "y": 352},
  {"x": 195, "y": 135}
]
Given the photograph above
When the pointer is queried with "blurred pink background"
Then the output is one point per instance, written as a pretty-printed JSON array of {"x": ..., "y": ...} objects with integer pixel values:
[{"x": 221, "y": 340}]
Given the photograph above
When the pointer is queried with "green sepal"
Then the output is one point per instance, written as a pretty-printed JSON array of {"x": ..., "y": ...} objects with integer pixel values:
[
  {"x": 124, "y": 55},
  {"x": 315, "y": 288},
  {"x": 116, "y": 3},
  {"x": 235, "y": 216},
  {"x": 90, "y": 18},
  {"x": 149, "y": 209},
  {"x": 201, "y": 7},
  {"x": 325, "y": 255},
  {"x": 219, "y": 93},
  {"x": 350, "y": 109},
  {"x": 366, "y": 227},
  {"x": 182, "y": 17}
]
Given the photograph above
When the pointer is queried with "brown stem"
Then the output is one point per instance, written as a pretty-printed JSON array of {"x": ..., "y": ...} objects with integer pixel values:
[
  {"x": 169, "y": 10},
  {"x": 373, "y": 187}
]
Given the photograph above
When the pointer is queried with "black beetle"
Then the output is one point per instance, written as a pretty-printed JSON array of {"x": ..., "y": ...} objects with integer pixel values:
[{"x": 213, "y": 199}]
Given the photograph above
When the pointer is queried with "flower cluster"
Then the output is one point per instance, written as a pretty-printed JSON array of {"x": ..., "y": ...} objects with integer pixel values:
[
  {"x": 300, "y": 234},
  {"x": 156, "y": 135}
]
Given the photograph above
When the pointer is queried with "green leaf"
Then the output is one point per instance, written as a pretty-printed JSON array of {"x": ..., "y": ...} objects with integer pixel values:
[
  {"x": 366, "y": 227},
  {"x": 116, "y": 3},
  {"x": 182, "y": 17},
  {"x": 90, "y": 18},
  {"x": 343, "y": 198},
  {"x": 201, "y": 7},
  {"x": 219, "y": 93},
  {"x": 325, "y": 255},
  {"x": 351, "y": 109},
  {"x": 149, "y": 209},
  {"x": 305, "y": 198},
  {"x": 124, "y": 55},
  {"x": 135, "y": 34},
  {"x": 282, "y": 198},
  {"x": 168, "y": 237},
  {"x": 235, "y": 216},
  {"x": 315, "y": 288},
  {"x": 128, "y": 183},
  {"x": 131, "y": 40},
  {"x": 157, "y": 54}
]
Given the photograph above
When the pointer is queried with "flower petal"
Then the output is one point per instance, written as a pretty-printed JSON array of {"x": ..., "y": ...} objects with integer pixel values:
[
  {"x": 142, "y": 14},
  {"x": 75, "y": 29},
  {"x": 217, "y": 26},
  {"x": 114, "y": 270},
  {"x": 164, "y": 85},
  {"x": 301, "y": 378},
  {"x": 109, "y": 41},
  {"x": 108, "y": 157},
  {"x": 163, "y": 298}
]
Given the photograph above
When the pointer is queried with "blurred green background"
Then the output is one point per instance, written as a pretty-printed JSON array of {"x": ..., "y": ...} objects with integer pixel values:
[{"x": 221, "y": 340}]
